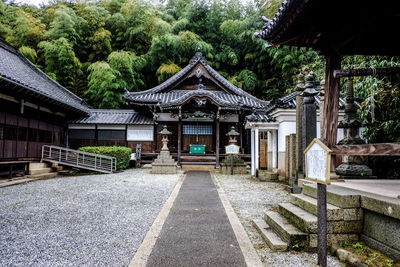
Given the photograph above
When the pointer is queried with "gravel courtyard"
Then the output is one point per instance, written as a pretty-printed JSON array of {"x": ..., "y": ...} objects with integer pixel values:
[
  {"x": 91, "y": 220},
  {"x": 250, "y": 199}
]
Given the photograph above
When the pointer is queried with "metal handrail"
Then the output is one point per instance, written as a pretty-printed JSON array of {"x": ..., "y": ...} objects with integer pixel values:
[{"x": 79, "y": 159}]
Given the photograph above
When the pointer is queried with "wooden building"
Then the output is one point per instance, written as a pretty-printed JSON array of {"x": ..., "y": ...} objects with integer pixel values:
[
  {"x": 199, "y": 106},
  {"x": 111, "y": 127},
  {"x": 34, "y": 109}
]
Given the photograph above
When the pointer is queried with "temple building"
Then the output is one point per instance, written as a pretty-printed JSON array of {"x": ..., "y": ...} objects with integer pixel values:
[{"x": 199, "y": 107}]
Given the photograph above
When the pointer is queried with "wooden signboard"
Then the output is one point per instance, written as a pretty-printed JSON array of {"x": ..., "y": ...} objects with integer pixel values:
[
  {"x": 232, "y": 149},
  {"x": 317, "y": 162}
]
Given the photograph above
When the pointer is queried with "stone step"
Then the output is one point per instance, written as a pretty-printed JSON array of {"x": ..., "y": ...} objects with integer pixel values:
[
  {"x": 286, "y": 230},
  {"x": 334, "y": 213},
  {"x": 302, "y": 219},
  {"x": 337, "y": 196},
  {"x": 273, "y": 241},
  {"x": 39, "y": 171},
  {"x": 308, "y": 222},
  {"x": 333, "y": 239},
  {"x": 310, "y": 204},
  {"x": 43, "y": 175},
  {"x": 37, "y": 165}
]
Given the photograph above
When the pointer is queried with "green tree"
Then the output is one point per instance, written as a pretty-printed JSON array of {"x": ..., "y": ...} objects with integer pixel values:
[
  {"x": 29, "y": 53},
  {"x": 106, "y": 86},
  {"x": 61, "y": 61},
  {"x": 166, "y": 71}
]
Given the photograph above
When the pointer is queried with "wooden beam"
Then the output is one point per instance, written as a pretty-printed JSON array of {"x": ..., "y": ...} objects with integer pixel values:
[
  {"x": 382, "y": 149},
  {"x": 365, "y": 72},
  {"x": 331, "y": 100}
]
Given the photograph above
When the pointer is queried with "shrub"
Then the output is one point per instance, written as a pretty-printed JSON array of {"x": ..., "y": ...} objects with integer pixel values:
[{"x": 123, "y": 154}]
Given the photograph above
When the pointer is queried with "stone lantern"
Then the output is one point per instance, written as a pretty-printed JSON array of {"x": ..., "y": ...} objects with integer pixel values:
[
  {"x": 164, "y": 139},
  {"x": 232, "y": 136},
  {"x": 164, "y": 163},
  {"x": 233, "y": 164}
]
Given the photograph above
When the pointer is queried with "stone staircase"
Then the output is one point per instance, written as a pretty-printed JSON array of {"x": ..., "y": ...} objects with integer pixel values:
[
  {"x": 295, "y": 224},
  {"x": 43, "y": 170}
]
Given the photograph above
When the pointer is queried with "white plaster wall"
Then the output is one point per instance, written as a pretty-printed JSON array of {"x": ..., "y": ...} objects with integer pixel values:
[{"x": 285, "y": 128}]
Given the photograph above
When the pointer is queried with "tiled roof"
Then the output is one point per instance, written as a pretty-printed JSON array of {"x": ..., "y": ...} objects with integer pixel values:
[
  {"x": 289, "y": 102},
  {"x": 270, "y": 28},
  {"x": 157, "y": 96},
  {"x": 115, "y": 116},
  {"x": 259, "y": 117},
  {"x": 16, "y": 69}
]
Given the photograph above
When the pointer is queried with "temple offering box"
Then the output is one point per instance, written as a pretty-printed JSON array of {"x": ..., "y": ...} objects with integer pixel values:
[{"x": 197, "y": 149}]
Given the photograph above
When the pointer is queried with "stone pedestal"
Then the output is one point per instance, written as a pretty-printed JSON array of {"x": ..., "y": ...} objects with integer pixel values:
[
  {"x": 164, "y": 164},
  {"x": 233, "y": 164}
]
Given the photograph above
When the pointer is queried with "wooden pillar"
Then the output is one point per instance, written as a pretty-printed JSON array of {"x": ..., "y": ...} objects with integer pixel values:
[
  {"x": 331, "y": 100},
  {"x": 126, "y": 135},
  {"x": 96, "y": 135},
  {"x": 217, "y": 143},
  {"x": 154, "y": 144},
  {"x": 179, "y": 141}
]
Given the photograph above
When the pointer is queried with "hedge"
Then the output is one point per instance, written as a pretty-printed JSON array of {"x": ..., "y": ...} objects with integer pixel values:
[{"x": 123, "y": 154}]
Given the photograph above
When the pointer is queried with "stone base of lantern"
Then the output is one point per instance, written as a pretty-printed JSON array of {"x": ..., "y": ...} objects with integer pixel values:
[
  {"x": 164, "y": 164},
  {"x": 233, "y": 164}
]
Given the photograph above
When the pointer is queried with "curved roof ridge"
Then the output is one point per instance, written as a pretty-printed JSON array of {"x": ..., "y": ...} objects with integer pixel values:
[
  {"x": 197, "y": 92},
  {"x": 198, "y": 57}
]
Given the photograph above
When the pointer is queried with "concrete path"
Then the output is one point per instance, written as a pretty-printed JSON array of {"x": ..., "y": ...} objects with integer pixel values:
[{"x": 197, "y": 231}]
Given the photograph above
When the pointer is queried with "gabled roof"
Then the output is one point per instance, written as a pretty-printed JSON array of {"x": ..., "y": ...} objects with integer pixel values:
[
  {"x": 31, "y": 81},
  {"x": 115, "y": 116},
  {"x": 342, "y": 26},
  {"x": 163, "y": 97}
]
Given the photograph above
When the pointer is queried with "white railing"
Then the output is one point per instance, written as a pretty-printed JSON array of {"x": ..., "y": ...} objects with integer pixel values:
[{"x": 79, "y": 159}]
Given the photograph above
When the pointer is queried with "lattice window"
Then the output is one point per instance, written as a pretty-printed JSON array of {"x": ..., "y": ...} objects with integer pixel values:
[{"x": 197, "y": 129}]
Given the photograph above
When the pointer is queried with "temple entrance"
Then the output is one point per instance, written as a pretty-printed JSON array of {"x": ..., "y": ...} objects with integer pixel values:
[{"x": 198, "y": 134}]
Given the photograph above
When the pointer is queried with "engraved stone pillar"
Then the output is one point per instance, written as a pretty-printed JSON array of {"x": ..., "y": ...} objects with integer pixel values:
[
  {"x": 287, "y": 173},
  {"x": 352, "y": 166},
  {"x": 299, "y": 111},
  {"x": 292, "y": 147},
  {"x": 309, "y": 120},
  {"x": 321, "y": 105}
]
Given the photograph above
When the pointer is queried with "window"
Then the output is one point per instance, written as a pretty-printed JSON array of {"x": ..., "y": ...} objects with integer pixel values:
[
  {"x": 140, "y": 133},
  {"x": 10, "y": 132},
  {"x": 32, "y": 134},
  {"x": 111, "y": 135},
  {"x": 197, "y": 129},
  {"x": 81, "y": 134}
]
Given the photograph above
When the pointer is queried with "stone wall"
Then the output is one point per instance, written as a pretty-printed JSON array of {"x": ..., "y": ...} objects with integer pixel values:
[{"x": 382, "y": 233}]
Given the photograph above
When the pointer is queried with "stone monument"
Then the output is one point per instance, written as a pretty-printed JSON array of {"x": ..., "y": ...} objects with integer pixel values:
[
  {"x": 233, "y": 164},
  {"x": 352, "y": 166},
  {"x": 164, "y": 163}
]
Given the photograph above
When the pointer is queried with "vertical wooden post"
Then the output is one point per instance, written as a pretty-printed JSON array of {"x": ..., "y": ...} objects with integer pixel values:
[
  {"x": 331, "y": 100},
  {"x": 217, "y": 143},
  {"x": 257, "y": 150},
  {"x": 96, "y": 135},
  {"x": 179, "y": 141},
  {"x": 154, "y": 144},
  {"x": 126, "y": 135}
]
